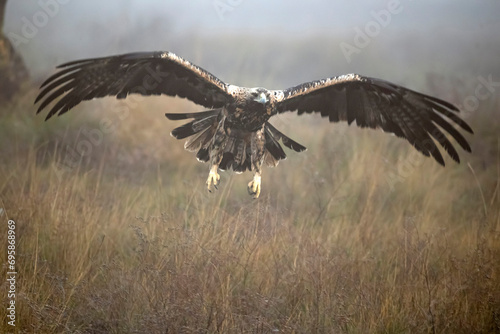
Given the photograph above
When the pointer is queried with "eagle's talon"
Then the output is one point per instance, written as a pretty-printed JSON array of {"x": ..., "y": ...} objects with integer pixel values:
[
  {"x": 213, "y": 179},
  {"x": 254, "y": 186}
]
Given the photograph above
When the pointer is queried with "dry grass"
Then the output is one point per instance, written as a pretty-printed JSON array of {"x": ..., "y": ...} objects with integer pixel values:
[{"x": 128, "y": 241}]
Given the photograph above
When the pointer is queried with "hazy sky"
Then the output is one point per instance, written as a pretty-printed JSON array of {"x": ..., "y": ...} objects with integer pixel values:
[
  {"x": 259, "y": 15},
  {"x": 48, "y": 32}
]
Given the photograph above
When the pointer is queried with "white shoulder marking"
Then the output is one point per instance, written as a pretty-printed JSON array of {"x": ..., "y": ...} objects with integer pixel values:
[
  {"x": 207, "y": 76},
  {"x": 348, "y": 77},
  {"x": 278, "y": 95},
  {"x": 232, "y": 89},
  {"x": 170, "y": 55},
  {"x": 182, "y": 61}
]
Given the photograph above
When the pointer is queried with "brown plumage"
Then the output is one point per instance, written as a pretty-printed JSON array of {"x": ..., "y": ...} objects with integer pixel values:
[{"x": 235, "y": 132}]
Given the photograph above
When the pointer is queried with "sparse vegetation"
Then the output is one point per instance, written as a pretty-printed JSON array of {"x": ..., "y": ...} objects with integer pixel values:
[{"x": 356, "y": 235}]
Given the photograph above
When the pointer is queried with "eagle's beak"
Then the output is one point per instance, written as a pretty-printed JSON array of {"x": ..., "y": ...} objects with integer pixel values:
[{"x": 261, "y": 98}]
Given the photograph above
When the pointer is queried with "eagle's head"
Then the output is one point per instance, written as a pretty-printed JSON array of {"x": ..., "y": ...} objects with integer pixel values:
[{"x": 260, "y": 95}]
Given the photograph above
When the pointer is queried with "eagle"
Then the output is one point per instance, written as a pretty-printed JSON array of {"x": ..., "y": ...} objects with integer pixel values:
[{"x": 234, "y": 131}]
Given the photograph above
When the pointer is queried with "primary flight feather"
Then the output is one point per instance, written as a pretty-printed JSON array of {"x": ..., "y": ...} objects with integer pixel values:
[{"x": 235, "y": 133}]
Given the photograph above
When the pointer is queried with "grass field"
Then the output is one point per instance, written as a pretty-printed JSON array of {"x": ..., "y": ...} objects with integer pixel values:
[{"x": 359, "y": 234}]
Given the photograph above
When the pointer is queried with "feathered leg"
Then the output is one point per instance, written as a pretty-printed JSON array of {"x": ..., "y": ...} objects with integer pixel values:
[
  {"x": 258, "y": 143},
  {"x": 216, "y": 152}
]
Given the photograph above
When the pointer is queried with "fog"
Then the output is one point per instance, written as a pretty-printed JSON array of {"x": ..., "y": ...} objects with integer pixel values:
[{"x": 272, "y": 44}]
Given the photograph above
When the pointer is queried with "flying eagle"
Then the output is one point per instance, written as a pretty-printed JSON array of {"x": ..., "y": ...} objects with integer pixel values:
[{"x": 235, "y": 132}]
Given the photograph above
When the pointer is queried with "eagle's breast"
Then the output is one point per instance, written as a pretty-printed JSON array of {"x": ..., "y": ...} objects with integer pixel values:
[
  {"x": 248, "y": 117},
  {"x": 247, "y": 112}
]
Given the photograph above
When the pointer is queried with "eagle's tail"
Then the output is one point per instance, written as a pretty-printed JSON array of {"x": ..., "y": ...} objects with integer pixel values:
[
  {"x": 237, "y": 151},
  {"x": 195, "y": 115},
  {"x": 202, "y": 129},
  {"x": 237, "y": 148},
  {"x": 277, "y": 135},
  {"x": 201, "y": 121}
]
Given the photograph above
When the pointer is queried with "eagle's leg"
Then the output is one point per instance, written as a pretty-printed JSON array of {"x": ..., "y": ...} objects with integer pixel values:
[
  {"x": 216, "y": 152},
  {"x": 213, "y": 178},
  {"x": 258, "y": 148}
]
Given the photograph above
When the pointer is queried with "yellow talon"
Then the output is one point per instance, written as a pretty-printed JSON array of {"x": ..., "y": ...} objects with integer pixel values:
[
  {"x": 254, "y": 186},
  {"x": 213, "y": 178}
]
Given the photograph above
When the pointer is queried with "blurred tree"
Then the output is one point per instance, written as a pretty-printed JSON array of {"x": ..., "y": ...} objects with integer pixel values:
[{"x": 12, "y": 70}]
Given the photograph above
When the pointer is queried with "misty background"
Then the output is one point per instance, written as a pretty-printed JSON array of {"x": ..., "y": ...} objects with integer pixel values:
[
  {"x": 117, "y": 233},
  {"x": 271, "y": 44}
]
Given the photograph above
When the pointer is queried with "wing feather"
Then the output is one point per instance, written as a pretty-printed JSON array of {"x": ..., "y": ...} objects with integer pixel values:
[
  {"x": 376, "y": 103},
  {"x": 145, "y": 73}
]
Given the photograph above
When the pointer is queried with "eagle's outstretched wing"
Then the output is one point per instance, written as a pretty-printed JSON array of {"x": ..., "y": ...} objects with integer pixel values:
[
  {"x": 376, "y": 103},
  {"x": 146, "y": 73}
]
